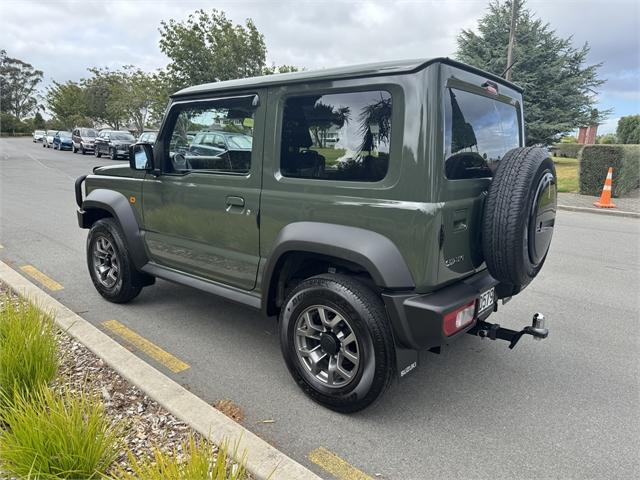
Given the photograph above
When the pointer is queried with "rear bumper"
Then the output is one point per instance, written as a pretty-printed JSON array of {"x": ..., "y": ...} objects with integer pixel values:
[{"x": 418, "y": 319}]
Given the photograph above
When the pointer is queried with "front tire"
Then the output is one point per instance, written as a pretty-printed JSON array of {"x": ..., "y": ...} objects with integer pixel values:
[
  {"x": 110, "y": 264},
  {"x": 336, "y": 341},
  {"x": 112, "y": 154},
  {"x": 97, "y": 152}
]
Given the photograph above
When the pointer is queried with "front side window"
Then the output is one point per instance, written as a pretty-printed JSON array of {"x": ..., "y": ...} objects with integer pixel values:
[
  {"x": 478, "y": 131},
  {"x": 343, "y": 136},
  {"x": 200, "y": 137}
]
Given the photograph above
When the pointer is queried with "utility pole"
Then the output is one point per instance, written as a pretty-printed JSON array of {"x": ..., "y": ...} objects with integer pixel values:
[{"x": 512, "y": 35}]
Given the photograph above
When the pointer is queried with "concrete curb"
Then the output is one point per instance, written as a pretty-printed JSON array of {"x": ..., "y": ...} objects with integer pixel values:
[
  {"x": 263, "y": 460},
  {"x": 601, "y": 211}
]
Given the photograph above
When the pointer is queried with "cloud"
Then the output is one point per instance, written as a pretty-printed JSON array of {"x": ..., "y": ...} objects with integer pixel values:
[{"x": 66, "y": 37}]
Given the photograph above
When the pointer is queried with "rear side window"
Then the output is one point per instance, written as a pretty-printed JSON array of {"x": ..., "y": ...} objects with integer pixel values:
[
  {"x": 344, "y": 136},
  {"x": 478, "y": 131}
]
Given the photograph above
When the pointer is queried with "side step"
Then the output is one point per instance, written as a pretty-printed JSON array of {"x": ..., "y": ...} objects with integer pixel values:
[{"x": 494, "y": 331}]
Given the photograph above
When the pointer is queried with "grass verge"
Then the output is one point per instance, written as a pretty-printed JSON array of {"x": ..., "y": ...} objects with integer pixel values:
[{"x": 567, "y": 170}]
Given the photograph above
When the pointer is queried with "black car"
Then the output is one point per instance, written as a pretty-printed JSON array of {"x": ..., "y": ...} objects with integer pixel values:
[
  {"x": 113, "y": 143},
  {"x": 83, "y": 140}
]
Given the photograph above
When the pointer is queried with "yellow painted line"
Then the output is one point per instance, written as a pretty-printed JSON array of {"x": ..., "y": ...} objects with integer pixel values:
[
  {"x": 41, "y": 278},
  {"x": 336, "y": 466},
  {"x": 165, "y": 358}
]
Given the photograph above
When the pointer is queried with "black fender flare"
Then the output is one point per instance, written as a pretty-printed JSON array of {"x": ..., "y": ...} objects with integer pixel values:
[
  {"x": 371, "y": 250},
  {"x": 118, "y": 206}
]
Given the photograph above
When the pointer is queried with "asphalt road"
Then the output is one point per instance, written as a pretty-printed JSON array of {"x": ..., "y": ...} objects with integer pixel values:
[{"x": 566, "y": 407}]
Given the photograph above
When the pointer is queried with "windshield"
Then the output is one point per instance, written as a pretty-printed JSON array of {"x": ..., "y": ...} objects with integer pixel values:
[
  {"x": 239, "y": 141},
  {"x": 64, "y": 134},
  {"x": 121, "y": 136},
  {"x": 479, "y": 130},
  {"x": 88, "y": 132}
]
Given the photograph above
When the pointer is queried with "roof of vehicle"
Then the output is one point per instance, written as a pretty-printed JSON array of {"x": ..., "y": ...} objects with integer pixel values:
[{"x": 352, "y": 71}]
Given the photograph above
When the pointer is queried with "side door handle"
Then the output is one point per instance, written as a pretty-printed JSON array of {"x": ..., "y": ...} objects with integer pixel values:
[{"x": 234, "y": 201}]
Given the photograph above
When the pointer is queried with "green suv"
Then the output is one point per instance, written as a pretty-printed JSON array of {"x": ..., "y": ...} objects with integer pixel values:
[{"x": 377, "y": 210}]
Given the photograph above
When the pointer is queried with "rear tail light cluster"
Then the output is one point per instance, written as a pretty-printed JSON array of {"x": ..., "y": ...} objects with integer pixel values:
[{"x": 459, "y": 318}]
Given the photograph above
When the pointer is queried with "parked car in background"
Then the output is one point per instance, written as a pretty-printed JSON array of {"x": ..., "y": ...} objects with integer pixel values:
[
  {"x": 148, "y": 137},
  {"x": 232, "y": 150},
  {"x": 47, "y": 140},
  {"x": 38, "y": 136},
  {"x": 113, "y": 143},
  {"x": 83, "y": 140},
  {"x": 62, "y": 141}
]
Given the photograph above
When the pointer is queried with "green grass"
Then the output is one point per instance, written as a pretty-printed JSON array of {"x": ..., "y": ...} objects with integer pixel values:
[
  {"x": 331, "y": 155},
  {"x": 50, "y": 435},
  {"x": 567, "y": 170},
  {"x": 28, "y": 350},
  {"x": 199, "y": 463}
]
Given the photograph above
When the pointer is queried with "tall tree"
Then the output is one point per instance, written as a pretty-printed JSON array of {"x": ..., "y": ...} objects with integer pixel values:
[
  {"x": 628, "y": 130},
  {"x": 18, "y": 86},
  {"x": 104, "y": 92},
  {"x": 67, "y": 102},
  {"x": 209, "y": 47},
  {"x": 559, "y": 87}
]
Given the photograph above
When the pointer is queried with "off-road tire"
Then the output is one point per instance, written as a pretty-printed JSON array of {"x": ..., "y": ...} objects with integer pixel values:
[
  {"x": 509, "y": 211},
  {"x": 366, "y": 313},
  {"x": 130, "y": 281}
]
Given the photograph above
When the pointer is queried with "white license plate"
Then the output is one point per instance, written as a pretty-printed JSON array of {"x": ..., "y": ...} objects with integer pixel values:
[{"x": 486, "y": 300}]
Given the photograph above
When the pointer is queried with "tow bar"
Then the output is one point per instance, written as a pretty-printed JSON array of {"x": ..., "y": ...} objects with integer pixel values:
[{"x": 494, "y": 331}]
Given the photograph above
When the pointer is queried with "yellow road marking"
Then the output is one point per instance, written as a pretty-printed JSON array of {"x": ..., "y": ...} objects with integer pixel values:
[
  {"x": 40, "y": 277},
  {"x": 336, "y": 466},
  {"x": 165, "y": 358}
]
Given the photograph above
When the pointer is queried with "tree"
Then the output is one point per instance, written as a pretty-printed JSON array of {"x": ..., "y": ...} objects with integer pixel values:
[
  {"x": 104, "y": 92},
  {"x": 607, "y": 139},
  {"x": 279, "y": 69},
  {"x": 38, "y": 122},
  {"x": 18, "y": 86},
  {"x": 559, "y": 87},
  {"x": 67, "y": 102},
  {"x": 208, "y": 47},
  {"x": 628, "y": 130}
]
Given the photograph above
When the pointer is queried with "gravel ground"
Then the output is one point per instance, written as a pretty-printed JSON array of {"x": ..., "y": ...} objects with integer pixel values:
[{"x": 148, "y": 425}]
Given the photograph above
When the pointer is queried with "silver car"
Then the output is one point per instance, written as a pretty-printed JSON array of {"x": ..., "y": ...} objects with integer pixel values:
[
  {"x": 38, "y": 136},
  {"x": 47, "y": 140}
]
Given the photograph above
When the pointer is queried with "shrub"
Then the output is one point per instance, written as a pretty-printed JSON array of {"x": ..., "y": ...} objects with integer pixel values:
[
  {"x": 628, "y": 130},
  {"x": 595, "y": 160},
  {"x": 567, "y": 150},
  {"x": 53, "y": 435},
  {"x": 199, "y": 463},
  {"x": 28, "y": 349}
]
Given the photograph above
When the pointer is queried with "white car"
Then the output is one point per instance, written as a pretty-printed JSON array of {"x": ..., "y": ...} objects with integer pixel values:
[
  {"x": 47, "y": 140},
  {"x": 38, "y": 136}
]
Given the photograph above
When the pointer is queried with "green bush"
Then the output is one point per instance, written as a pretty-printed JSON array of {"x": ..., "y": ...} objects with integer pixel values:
[
  {"x": 198, "y": 464},
  {"x": 628, "y": 130},
  {"x": 53, "y": 435},
  {"x": 28, "y": 349},
  {"x": 595, "y": 160},
  {"x": 567, "y": 150}
]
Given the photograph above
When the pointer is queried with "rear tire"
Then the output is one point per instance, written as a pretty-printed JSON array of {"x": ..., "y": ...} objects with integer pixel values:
[
  {"x": 110, "y": 265},
  {"x": 355, "y": 310}
]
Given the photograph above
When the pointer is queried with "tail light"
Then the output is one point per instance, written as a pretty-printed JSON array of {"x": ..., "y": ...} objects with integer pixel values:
[{"x": 459, "y": 318}]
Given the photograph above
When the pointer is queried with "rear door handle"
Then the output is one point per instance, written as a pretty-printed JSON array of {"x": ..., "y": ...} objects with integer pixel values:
[{"x": 234, "y": 201}]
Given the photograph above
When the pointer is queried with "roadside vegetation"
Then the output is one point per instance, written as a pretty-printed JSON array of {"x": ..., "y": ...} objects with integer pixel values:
[
  {"x": 53, "y": 428},
  {"x": 567, "y": 170}
]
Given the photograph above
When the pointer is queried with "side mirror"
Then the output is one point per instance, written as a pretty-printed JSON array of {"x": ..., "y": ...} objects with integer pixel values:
[{"x": 141, "y": 156}]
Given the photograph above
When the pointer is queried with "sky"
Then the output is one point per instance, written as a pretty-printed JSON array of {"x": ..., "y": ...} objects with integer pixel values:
[{"x": 64, "y": 38}]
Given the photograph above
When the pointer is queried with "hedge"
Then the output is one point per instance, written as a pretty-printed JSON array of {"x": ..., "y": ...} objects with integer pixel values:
[
  {"x": 595, "y": 160},
  {"x": 569, "y": 150}
]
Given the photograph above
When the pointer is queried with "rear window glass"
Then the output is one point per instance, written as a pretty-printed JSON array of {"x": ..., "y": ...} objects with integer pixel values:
[
  {"x": 478, "y": 132},
  {"x": 343, "y": 136}
]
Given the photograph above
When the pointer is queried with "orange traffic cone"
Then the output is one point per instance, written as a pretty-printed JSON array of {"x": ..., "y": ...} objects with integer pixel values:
[{"x": 605, "y": 198}]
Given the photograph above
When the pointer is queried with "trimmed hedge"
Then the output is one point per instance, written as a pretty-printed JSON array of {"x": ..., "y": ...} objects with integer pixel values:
[
  {"x": 595, "y": 160},
  {"x": 567, "y": 150}
]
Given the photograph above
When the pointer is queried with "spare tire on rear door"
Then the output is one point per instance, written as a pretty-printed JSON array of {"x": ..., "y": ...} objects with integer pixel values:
[{"x": 519, "y": 217}]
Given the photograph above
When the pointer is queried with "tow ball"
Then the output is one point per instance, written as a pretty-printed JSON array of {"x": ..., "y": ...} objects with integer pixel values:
[{"x": 494, "y": 331}]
